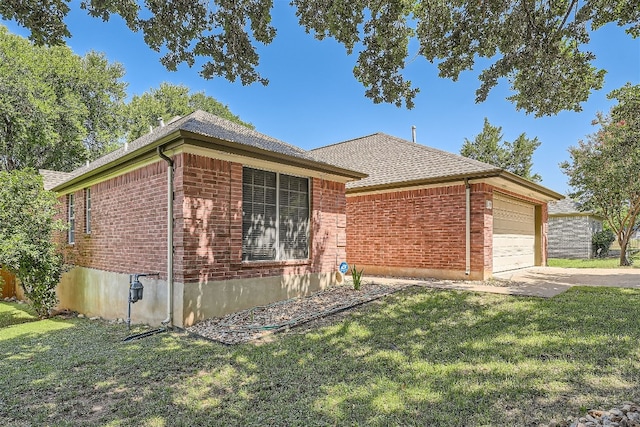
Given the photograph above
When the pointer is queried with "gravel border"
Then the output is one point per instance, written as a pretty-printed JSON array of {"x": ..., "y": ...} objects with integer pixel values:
[
  {"x": 626, "y": 415},
  {"x": 256, "y": 322}
]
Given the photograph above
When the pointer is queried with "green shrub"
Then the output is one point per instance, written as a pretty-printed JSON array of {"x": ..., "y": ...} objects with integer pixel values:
[
  {"x": 27, "y": 225},
  {"x": 601, "y": 242}
]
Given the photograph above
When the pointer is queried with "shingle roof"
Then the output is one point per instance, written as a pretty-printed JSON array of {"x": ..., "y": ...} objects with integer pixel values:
[
  {"x": 53, "y": 178},
  {"x": 201, "y": 123},
  {"x": 565, "y": 206},
  {"x": 390, "y": 160}
]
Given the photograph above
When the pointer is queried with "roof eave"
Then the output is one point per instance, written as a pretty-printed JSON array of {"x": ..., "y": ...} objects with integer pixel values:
[
  {"x": 552, "y": 195},
  {"x": 547, "y": 193},
  {"x": 571, "y": 214},
  {"x": 261, "y": 153},
  {"x": 427, "y": 181}
]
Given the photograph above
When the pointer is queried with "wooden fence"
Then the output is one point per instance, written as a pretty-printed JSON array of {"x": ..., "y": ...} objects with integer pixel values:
[{"x": 8, "y": 284}]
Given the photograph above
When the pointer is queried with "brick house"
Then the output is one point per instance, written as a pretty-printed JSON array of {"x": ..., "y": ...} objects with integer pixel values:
[
  {"x": 253, "y": 220},
  {"x": 424, "y": 212},
  {"x": 571, "y": 230}
]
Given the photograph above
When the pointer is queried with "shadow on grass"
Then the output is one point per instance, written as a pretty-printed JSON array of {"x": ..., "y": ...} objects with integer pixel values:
[
  {"x": 420, "y": 357},
  {"x": 15, "y": 314}
]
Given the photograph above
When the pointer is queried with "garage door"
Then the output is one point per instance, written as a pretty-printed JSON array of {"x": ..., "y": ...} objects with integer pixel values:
[{"x": 514, "y": 235}]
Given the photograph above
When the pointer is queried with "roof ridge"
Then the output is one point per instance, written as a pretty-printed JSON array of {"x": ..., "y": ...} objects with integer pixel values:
[
  {"x": 445, "y": 152},
  {"x": 53, "y": 171},
  {"x": 416, "y": 144},
  {"x": 197, "y": 124},
  {"x": 196, "y": 115},
  {"x": 212, "y": 117},
  {"x": 348, "y": 140}
]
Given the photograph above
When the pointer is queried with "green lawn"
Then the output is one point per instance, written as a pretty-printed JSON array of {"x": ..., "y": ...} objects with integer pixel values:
[
  {"x": 12, "y": 314},
  {"x": 593, "y": 263},
  {"x": 419, "y": 357}
]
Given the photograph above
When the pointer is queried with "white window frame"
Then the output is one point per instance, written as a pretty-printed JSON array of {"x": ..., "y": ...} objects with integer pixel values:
[
  {"x": 87, "y": 210},
  {"x": 71, "y": 219},
  {"x": 279, "y": 254}
]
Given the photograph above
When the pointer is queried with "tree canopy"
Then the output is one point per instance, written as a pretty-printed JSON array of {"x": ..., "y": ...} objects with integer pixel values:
[
  {"x": 166, "y": 102},
  {"x": 513, "y": 156},
  {"x": 603, "y": 171},
  {"x": 57, "y": 109},
  {"x": 538, "y": 47}
]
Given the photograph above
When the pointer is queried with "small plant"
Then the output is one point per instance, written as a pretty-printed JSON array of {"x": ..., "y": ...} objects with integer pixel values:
[
  {"x": 357, "y": 277},
  {"x": 601, "y": 242}
]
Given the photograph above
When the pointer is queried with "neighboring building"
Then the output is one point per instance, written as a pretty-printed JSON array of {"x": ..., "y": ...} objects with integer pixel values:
[
  {"x": 424, "y": 212},
  {"x": 53, "y": 178},
  {"x": 253, "y": 221},
  {"x": 571, "y": 230}
]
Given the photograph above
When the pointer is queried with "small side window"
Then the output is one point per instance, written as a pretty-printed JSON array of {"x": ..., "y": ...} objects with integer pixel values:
[
  {"x": 71, "y": 215},
  {"x": 87, "y": 215}
]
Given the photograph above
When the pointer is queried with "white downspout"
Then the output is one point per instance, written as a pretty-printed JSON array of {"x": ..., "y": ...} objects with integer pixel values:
[
  {"x": 169, "y": 320},
  {"x": 467, "y": 227}
]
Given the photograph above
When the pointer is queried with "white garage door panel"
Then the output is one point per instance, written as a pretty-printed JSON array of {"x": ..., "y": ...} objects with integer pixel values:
[
  {"x": 514, "y": 239},
  {"x": 511, "y": 251}
]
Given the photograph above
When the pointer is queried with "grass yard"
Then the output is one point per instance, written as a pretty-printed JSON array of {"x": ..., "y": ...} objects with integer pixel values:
[
  {"x": 12, "y": 314},
  {"x": 593, "y": 263},
  {"x": 419, "y": 357}
]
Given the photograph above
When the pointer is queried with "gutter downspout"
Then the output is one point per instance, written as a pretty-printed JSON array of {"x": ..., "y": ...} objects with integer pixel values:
[
  {"x": 467, "y": 192},
  {"x": 169, "y": 320}
]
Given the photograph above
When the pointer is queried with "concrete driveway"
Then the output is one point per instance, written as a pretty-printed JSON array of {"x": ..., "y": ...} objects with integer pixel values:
[
  {"x": 550, "y": 281},
  {"x": 544, "y": 282}
]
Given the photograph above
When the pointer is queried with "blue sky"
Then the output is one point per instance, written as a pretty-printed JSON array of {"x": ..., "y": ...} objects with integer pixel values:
[{"x": 314, "y": 100}]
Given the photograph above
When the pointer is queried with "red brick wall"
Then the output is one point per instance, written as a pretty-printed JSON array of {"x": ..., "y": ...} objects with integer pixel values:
[
  {"x": 129, "y": 224},
  {"x": 209, "y": 225},
  {"x": 417, "y": 228},
  {"x": 481, "y": 229},
  {"x": 329, "y": 222},
  {"x": 128, "y": 221},
  {"x": 422, "y": 229}
]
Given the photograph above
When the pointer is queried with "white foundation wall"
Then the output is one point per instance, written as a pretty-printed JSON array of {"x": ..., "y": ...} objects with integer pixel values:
[{"x": 105, "y": 294}]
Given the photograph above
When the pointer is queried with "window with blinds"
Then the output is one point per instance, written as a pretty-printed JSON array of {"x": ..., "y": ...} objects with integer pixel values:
[
  {"x": 275, "y": 216},
  {"x": 71, "y": 219}
]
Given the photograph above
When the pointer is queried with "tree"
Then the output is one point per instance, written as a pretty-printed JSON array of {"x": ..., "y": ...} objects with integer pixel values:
[
  {"x": 167, "y": 102},
  {"x": 513, "y": 156},
  {"x": 27, "y": 225},
  {"x": 603, "y": 170},
  {"x": 535, "y": 45},
  {"x": 57, "y": 109}
]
